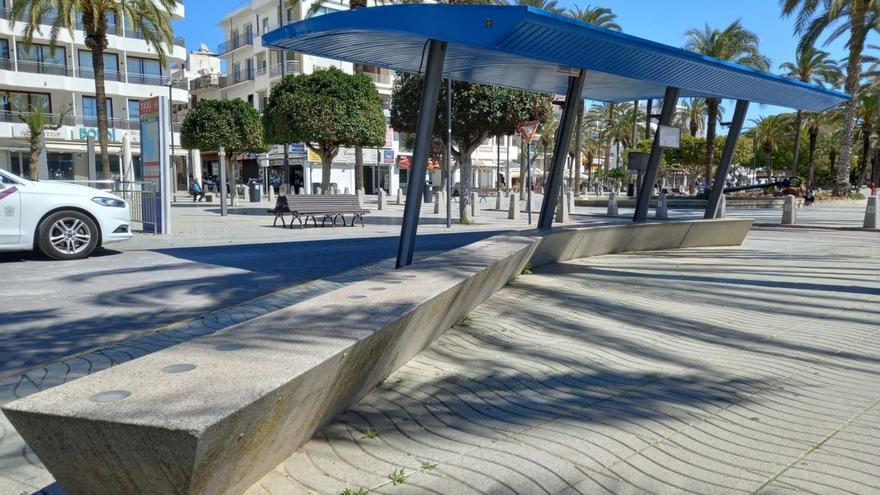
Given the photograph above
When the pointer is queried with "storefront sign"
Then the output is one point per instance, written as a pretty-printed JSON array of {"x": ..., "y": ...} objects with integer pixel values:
[
  {"x": 23, "y": 131},
  {"x": 84, "y": 133},
  {"x": 388, "y": 157}
]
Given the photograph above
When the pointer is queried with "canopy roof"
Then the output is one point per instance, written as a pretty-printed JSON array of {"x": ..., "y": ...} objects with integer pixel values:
[{"x": 524, "y": 47}]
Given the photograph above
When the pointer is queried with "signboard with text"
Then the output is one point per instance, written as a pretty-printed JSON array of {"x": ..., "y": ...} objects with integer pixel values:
[{"x": 154, "y": 158}]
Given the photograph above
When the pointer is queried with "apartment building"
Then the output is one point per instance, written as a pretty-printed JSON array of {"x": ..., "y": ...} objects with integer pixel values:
[
  {"x": 252, "y": 70},
  {"x": 60, "y": 82}
]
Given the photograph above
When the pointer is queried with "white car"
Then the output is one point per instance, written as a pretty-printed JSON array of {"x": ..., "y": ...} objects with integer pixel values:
[{"x": 64, "y": 221}]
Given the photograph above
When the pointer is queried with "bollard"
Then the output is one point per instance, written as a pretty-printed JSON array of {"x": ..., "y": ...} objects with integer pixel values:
[
  {"x": 360, "y": 195},
  {"x": 612, "y": 204},
  {"x": 513, "y": 210},
  {"x": 318, "y": 191},
  {"x": 662, "y": 211},
  {"x": 498, "y": 199},
  {"x": 475, "y": 205},
  {"x": 871, "y": 214},
  {"x": 347, "y": 191},
  {"x": 789, "y": 211},
  {"x": 570, "y": 196},
  {"x": 562, "y": 209},
  {"x": 383, "y": 203},
  {"x": 269, "y": 193},
  {"x": 440, "y": 203},
  {"x": 399, "y": 196},
  {"x": 721, "y": 212}
]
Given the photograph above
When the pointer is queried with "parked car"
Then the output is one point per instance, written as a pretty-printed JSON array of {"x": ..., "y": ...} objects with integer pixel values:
[{"x": 64, "y": 221}]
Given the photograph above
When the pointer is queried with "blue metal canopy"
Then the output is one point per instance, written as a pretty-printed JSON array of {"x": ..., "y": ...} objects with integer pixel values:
[{"x": 523, "y": 47}]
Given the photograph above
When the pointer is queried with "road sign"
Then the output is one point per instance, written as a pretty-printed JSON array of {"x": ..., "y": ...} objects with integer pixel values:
[{"x": 527, "y": 130}]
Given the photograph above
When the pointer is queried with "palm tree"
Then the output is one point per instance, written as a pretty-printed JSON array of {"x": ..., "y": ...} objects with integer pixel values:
[
  {"x": 598, "y": 16},
  {"x": 602, "y": 17},
  {"x": 689, "y": 115},
  {"x": 829, "y": 122},
  {"x": 829, "y": 143},
  {"x": 857, "y": 18},
  {"x": 149, "y": 18},
  {"x": 868, "y": 107},
  {"x": 772, "y": 130},
  {"x": 736, "y": 44},
  {"x": 546, "y": 141},
  {"x": 548, "y": 5},
  {"x": 811, "y": 66},
  {"x": 37, "y": 120}
]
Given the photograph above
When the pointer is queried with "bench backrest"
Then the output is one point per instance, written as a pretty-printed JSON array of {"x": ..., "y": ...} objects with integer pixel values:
[{"x": 325, "y": 203}]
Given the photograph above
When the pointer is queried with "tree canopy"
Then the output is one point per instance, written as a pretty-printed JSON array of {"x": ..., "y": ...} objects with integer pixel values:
[
  {"x": 232, "y": 124},
  {"x": 326, "y": 109}
]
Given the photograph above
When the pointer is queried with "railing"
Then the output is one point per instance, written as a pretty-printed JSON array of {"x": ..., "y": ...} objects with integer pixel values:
[
  {"x": 180, "y": 41},
  {"x": 379, "y": 78},
  {"x": 7, "y": 116},
  {"x": 45, "y": 68},
  {"x": 244, "y": 75},
  {"x": 208, "y": 81},
  {"x": 291, "y": 67},
  {"x": 5, "y": 13},
  {"x": 5, "y": 64},
  {"x": 151, "y": 79},
  {"x": 89, "y": 73},
  {"x": 236, "y": 42}
]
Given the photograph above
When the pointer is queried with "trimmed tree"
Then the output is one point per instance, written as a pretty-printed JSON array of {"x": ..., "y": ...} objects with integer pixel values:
[
  {"x": 327, "y": 109},
  {"x": 478, "y": 113},
  {"x": 37, "y": 120},
  {"x": 233, "y": 124}
]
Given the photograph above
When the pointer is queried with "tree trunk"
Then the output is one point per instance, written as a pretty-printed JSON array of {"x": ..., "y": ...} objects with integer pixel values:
[
  {"x": 358, "y": 168},
  {"x": 853, "y": 80},
  {"x": 326, "y": 166},
  {"x": 101, "y": 102},
  {"x": 693, "y": 127},
  {"x": 648, "y": 119},
  {"x": 609, "y": 143},
  {"x": 464, "y": 187},
  {"x": 33, "y": 166},
  {"x": 875, "y": 169},
  {"x": 866, "y": 151},
  {"x": 814, "y": 135},
  {"x": 230, "y": 179},
  {"x": 712, "y": 110},
  {"x": 635, "y": 122},
  {"x": 832, "y": 159},
  {"x": 797, "y": 143},
  {"x": 523, "y": 165},
  {"x": 544, "y": 172},
  {"x": 578, "y": 141}
]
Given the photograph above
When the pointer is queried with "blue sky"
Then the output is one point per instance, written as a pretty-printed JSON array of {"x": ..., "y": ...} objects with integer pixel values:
[{"x": 664, "y": 21}]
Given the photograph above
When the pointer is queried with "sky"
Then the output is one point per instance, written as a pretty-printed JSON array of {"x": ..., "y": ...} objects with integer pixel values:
[{"x": 664, "y": 21}]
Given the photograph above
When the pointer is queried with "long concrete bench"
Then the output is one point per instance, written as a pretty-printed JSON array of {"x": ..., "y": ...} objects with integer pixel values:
[{"x": 215, "y": 414}]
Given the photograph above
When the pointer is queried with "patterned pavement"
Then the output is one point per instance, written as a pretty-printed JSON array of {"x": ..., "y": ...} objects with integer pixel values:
[
  {"x": 749, "y": 370},
  {"x": 22, "y": 472}
]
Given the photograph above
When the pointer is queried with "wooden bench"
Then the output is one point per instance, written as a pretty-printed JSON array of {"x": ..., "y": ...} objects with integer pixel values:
[
  {"x": 281, "y": 207},
  {"x": 331, "y": 207}
]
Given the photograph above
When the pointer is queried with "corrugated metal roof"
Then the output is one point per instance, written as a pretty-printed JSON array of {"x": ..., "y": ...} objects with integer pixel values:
[{"x": 523, "y": 47}]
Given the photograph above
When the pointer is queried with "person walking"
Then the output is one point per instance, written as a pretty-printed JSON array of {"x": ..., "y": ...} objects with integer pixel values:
[{"x": 873, "y": 188}]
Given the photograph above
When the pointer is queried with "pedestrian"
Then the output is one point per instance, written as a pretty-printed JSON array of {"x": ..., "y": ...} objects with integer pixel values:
[
  {"x": 198, "y": 191},
  {"x": 873, "y": 188}
]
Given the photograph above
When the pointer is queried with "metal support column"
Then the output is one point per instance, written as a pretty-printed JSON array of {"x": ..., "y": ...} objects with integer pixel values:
[
  {"x": 222, "y": 155},
  {"x": 670, "y": 101},
  {"x": 739, "y": 116},
  {"x": 424, "y": 129},
  {"x": 560, "y": 151}
]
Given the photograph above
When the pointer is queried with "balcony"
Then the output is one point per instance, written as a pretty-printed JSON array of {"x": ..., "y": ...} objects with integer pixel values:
[
  {"x": 208, "y": 81},
  {"x": 154, "y": 80},
  {"x": 290, "y": 67},
  {"x": 18, "y": 117},
  {"x": 75, "y": 120},
  {"x": 235, "y": 43},
  {"x": 5, "y": 64},
  {"x": 45, "y": 68},
  {"x": 241, "y": 76},
  {"x": 109, "y": 75},
  {"x": 383, "y": 78}
]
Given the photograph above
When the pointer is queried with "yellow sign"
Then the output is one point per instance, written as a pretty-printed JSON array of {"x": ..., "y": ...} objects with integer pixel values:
[{"x": 312, "y": 156}]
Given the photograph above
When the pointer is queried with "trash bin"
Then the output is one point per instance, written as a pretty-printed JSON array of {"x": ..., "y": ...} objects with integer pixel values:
[
  {"x": 428, "y": 194},
  {"x": 254, "y": 187},
  {"x": 630, "y": 189}
]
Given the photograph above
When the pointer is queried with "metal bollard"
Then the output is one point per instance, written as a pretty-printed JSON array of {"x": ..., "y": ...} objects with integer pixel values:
[
  {"x": 789, "y": 211},
  {"x": 662, "y": 211},
  {"x": 383, "y": 203},
  {"x": 513, "y": 211},
  {"x": 612, "y": 204},
  {"x": 475, "y": 205},
  {"x": 871, "y": 214}
]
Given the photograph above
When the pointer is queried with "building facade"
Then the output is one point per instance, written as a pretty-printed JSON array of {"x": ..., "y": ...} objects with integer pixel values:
[{"x": 60, "y": 82}]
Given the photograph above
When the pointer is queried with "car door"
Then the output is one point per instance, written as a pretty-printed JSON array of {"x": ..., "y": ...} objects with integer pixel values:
[{"x": 10, "y": 213}]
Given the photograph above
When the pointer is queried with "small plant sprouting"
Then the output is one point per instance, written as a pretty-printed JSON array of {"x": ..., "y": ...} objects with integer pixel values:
[
  {"x": 397, "y": 477},
  {"x": 381, "y": 382},
  {"x": 359, "y": 491},
  {"x": 427, "y": 466},
  {"x": 370, "y": 432},
  {"x": 465, "y": 221},
  {"x": 527, "y": 270},
  {"x": 466, "y": 321}
]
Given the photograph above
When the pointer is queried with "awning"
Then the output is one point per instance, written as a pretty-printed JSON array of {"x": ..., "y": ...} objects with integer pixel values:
[{"x": 527, "y": 48}]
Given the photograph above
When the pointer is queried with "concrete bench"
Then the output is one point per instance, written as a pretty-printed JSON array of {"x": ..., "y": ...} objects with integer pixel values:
[{"x": 215, "y": 414}]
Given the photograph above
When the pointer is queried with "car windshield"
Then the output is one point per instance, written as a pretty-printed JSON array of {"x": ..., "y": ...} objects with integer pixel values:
[{"x": 10, "y": 178}]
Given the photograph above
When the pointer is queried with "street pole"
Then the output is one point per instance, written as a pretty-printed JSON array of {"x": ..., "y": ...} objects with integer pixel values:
[
  {"x": 497, "y": 162},
  {"x": 222, "y": 155},
  {"x": 171, "y": 127},
  {"x": 529, "y": 180},
  {"x": 449, "y": 153}
]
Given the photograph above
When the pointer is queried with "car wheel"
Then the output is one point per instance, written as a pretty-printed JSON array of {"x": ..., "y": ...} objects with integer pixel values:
[{"x": 67, "y": 235}]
